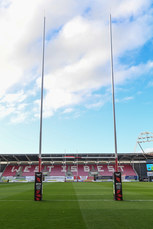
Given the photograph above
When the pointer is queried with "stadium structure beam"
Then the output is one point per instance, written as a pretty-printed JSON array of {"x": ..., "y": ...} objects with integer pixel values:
[
  {"x": 4, "y": 158},
  {"x": 15, "y": 157},
  {"x": 76, "y": 157},
  {"x": 143, "y": 137},
  {"x": 27, "y": 157}
]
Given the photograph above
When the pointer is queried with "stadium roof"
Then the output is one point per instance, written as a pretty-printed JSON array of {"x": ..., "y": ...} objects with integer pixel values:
[{"x": 84, "y": 157}]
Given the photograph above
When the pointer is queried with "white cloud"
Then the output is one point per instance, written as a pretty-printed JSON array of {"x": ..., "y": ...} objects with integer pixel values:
[
  {"x": 16, "y": 97},
  {"x": 68, "y": 110},
  {"x": 118, "y": 8},
  {"x": 6, "y": 110},
  {"x": 125, "y": 99},
  {"x": 86, "y": 68},
  {"x": 77, "y": 60},
  {"x": 128, "y": 98},
  {"x": 19, "y": 118},
  {"x": 130, "y": 73}
]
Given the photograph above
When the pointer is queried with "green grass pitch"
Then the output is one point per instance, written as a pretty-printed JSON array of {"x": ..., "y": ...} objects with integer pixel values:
[{"x": 76, "y": 206}]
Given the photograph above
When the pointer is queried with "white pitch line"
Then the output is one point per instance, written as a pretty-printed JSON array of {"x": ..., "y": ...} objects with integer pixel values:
[
  {"x": 56, "y": 200},
  {"x": 14, "y": 200},
  {"x": 81, "y": 200},
  {"x": 139, "y": 200},
  {"x": 77, "y": 194}
]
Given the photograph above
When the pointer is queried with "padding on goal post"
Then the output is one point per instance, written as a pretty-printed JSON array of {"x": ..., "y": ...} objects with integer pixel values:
[
  {"x": 117, "y": 186},
  {"x": 38, "y": 186}
]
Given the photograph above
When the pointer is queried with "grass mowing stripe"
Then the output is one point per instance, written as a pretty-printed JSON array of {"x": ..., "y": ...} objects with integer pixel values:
[
  {"x": 23, "y": 213},
  {"x": 85, "y": 204},
  {"x": 13, "y": 189},
  {"x": 74, "y": 187},
  {"x": 67, "y": 196},
  {"x": 127, "y": 214}
]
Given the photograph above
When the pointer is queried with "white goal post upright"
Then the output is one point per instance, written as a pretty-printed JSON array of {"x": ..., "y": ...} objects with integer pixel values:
[
  {"x": 113, "y": 97},
  {"x": 39, "y": 175},
  {"x": 117, "y": 174},
  {"x": 42, "y": 91}
]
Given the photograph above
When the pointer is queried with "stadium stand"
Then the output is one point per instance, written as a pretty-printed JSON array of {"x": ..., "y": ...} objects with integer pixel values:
[
  {"x": 69, "y": 170},
  {"x": 141, "y": 170},
  {"x": 60, "y": 170},
  {"x": 72, "y": 165}
]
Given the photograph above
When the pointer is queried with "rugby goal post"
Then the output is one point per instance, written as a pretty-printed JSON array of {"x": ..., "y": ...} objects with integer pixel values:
[
  {"x": 117, "y": 174},
  {"x": 39, "y": 176}
]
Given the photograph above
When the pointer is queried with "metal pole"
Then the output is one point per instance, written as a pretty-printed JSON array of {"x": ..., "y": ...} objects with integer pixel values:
[
  {"x": 113, "y": 97},
  {"x": 141, "y": 148},
  {"x": 42, "y": 90}
]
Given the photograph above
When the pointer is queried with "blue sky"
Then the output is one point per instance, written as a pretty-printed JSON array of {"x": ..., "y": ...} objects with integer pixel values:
[{"x": 77, "y": 115}]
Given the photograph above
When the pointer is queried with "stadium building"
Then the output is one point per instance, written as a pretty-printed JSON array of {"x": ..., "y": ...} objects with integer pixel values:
[{"x": 76, "y": 167}]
